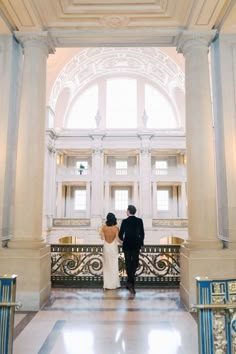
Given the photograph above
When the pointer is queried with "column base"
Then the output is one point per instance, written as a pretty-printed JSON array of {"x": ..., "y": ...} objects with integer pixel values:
[
  {"x": 198, "y": 245},
  {"x": 26, "y": 244},
  {"x": 33, "y": 270},
  {"x": 210, "y": 263}
]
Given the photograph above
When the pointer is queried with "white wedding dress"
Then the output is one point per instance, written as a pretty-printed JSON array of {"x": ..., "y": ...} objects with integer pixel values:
[{"x": 111, "y": 278}]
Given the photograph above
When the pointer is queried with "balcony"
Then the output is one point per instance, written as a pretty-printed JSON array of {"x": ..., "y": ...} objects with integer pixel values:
[
  {"x": 73, "y": 174},
  {"x": 170, "y": 174},
  {"x": 121, "y": 174}
]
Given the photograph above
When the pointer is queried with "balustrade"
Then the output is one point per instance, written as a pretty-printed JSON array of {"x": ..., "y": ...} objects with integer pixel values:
[{"x": 81, "y": 265}]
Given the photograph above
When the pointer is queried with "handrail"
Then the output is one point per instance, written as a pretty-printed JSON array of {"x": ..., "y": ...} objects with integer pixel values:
[
  {"x": 196, "y": 307},
  {"x": 10, "y": 304}
]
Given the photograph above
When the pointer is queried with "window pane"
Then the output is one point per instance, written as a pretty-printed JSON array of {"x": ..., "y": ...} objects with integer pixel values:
[
  {"x": 80, "y": 199},
  {"x": 121, "y": 164},
  {"x": 121, "y": 199},
  {"x": 121, "y": 108},
  {"x": 121, "y": 168},
  {"x": 83, "y": 112},
  {"x": 159, "y": 111},
  {"x": 163, "y": 200},
  {"x": 161, "y": 167}
]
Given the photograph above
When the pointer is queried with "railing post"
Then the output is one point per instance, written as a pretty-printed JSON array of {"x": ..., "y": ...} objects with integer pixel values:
[
  {"x": 216, "y": 306},
  {"x": 7, "y": 311}
]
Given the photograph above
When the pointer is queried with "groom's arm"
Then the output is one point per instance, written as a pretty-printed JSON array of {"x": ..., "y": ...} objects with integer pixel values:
[
  {"x": 142, "y": 233},
  {"x": 122, "y": 231}
]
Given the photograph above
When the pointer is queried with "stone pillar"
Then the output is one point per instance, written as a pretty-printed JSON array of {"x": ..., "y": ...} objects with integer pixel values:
[
  {"x": 202, "y": 254},
  {"x": 145, "y": 205},
  {"x": 107, "y": 198},
  {"x": 52, "y": 210},
  {"x": 174, "y": 203},
  {"x": 88, "y": 194},
  {"x": 49, "y": 186},
  {"x": 97, "y": 182},
  {"x": 31, "y": 139},
  {"x": 67, "y": 211},
  {"x": 135, "y": 193},
  {"x": 154, "y": 200},
  {"x": 183, "y": 201},
  {"x": 10, "y": 73},
  {"x": 224, "y": 69},
  {"x": 59, "y": 212},
  {"x": 201, "y": 176},
  {"x": 27, "y": 255}
]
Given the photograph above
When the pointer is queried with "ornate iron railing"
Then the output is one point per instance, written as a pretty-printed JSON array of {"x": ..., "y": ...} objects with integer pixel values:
[{"x": 81, "y": 265}]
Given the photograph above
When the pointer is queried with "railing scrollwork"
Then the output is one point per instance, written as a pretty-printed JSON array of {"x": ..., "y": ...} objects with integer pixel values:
[{"x": 82, "y": 265}]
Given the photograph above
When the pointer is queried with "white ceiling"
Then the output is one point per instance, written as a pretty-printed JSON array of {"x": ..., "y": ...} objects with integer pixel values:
[{"x": 74, "y": 23}]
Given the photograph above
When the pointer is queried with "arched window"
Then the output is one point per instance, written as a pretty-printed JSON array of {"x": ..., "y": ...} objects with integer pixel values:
[
  {"x": 120, "y": 88},
  {"x": 158, "y": 109},
  {"x": 83, "y": 111},
  {"x": 121, "y": 103}
]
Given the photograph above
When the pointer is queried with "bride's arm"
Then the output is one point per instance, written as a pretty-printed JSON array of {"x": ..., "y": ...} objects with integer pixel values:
[{"x": 118, "y": 240}]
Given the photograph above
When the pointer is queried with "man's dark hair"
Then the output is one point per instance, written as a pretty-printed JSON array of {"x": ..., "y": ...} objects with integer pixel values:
[{"x": 131, "y": 209}]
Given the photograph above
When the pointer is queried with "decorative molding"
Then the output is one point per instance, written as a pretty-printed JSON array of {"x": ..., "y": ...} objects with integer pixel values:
[
  {"x": 170, "y": 222},
  {"x": 62, "y": 222},
  {"x": 114, "y": 21},
  {"x": 152, "y": 63}
]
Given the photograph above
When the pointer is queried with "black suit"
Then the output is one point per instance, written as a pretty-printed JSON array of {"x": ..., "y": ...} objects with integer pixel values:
[{"x": 132, "y": 235}]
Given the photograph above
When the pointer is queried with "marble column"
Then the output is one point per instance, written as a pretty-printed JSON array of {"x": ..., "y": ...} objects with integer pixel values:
[
  {"x": 183, "y": 202},
  {"x": 145, "y": 178},
  {"x": 97, "y": 182},
  {"x": 174, "y": 208},
  {"x": 67, "y": 211},
  {"x": 107, "y": 198},
  {"x": 135, "y": 193},
  {"x": 223, "y": 66},
  {"x": 154, "y": 200},
  {"x": 27, "y": 229},
  {"x": 88, "y": 198},
  {"x": 10, "y": 73},
  {"x": 59, "y": 203},
  {"x": 202, "y": 215},
  {"x": 202, "y": 255},
  {"x": 47, "y": 187},
  {"x": 27, "y": 254}
]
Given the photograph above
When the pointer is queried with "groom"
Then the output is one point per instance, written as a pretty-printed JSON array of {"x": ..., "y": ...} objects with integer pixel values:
[{"x": 132, "y": 235}]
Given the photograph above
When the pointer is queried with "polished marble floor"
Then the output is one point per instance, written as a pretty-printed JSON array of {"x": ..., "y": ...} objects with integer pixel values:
[{"x": 97, "y": 321}]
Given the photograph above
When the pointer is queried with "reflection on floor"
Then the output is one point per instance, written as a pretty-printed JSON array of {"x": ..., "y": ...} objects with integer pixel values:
[{"x": 94, "y": 321}]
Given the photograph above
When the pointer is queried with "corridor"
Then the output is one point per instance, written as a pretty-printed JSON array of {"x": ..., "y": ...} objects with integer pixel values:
[{"x": 94, "y": 321}]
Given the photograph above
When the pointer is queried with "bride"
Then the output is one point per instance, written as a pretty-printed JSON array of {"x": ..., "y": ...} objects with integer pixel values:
[{"x": 109, "y": 233}]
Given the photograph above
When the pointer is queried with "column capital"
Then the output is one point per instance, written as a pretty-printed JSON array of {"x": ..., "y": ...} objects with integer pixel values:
[
  {"x": 97, "y": 151},
  {"x": 145, "y": 150},
  {"x": 195, "y": 39},
  {"x": 36, "y": 39}
]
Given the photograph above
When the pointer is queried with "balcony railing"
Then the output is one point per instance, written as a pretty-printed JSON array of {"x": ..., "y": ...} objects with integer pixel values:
[
  {"x": 81, "y": 265},
  {"x": 72, "y": 171},
  {"x": 170, "y": 173}
]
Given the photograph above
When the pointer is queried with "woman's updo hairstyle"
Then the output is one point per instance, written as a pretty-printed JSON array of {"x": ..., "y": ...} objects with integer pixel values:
[{"x": 111, "y": 219}]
